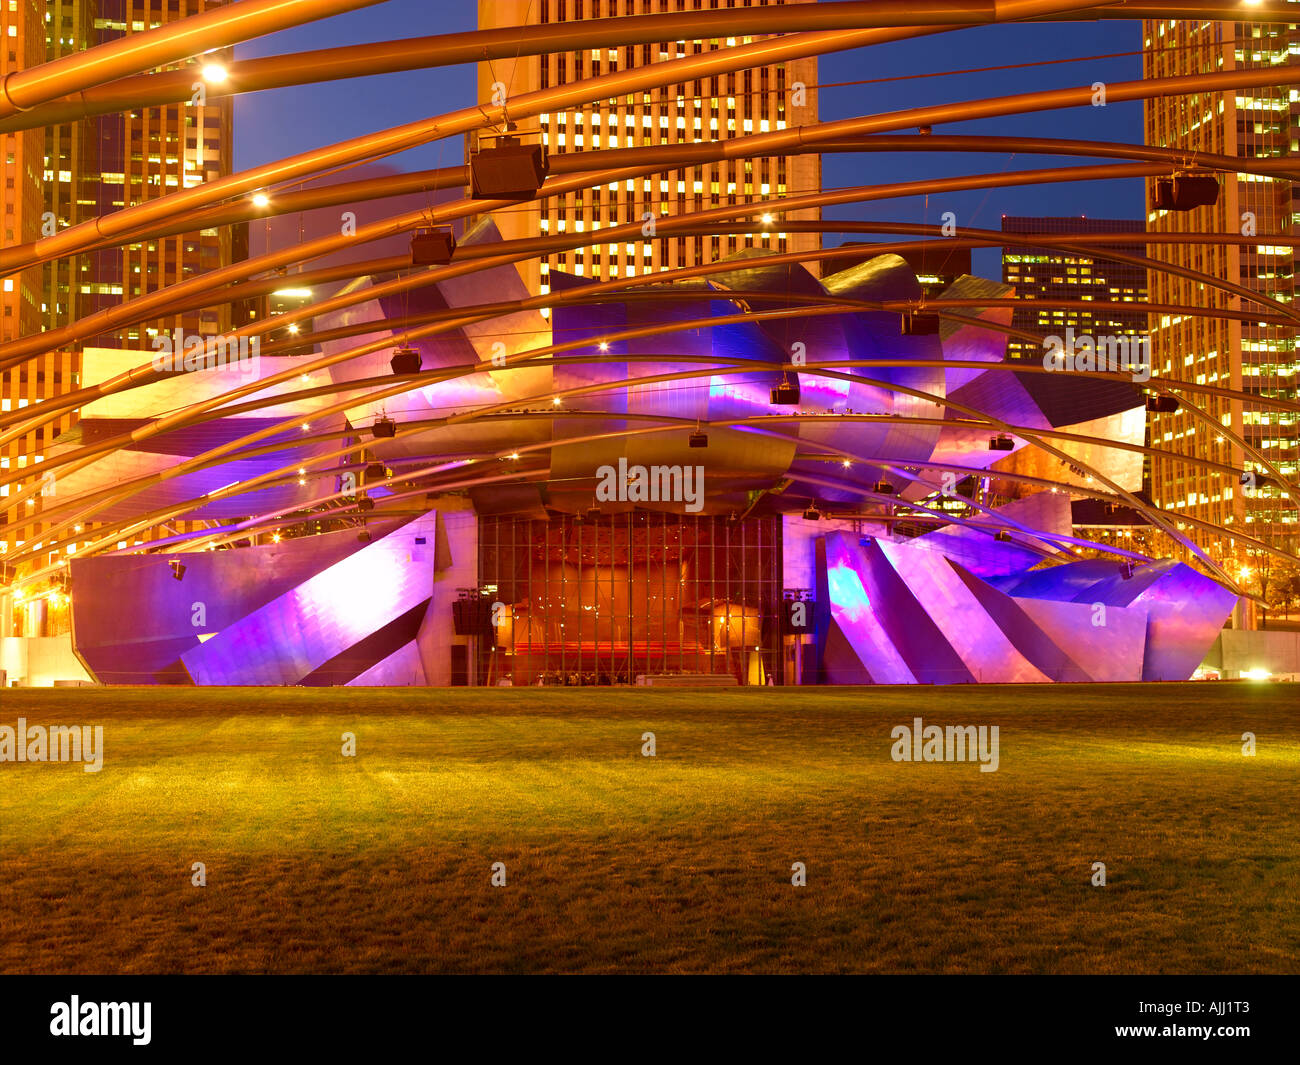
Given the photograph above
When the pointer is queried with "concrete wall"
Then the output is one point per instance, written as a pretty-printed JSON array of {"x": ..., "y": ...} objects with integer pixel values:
[
  {"x": 40, "y": 661},
  {"x": 1240, "y": 651},
  {"x": 455, "y": 567}
]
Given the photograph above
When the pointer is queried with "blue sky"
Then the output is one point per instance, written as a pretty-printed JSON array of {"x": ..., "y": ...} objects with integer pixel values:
[{"x": 274, "y": 124}]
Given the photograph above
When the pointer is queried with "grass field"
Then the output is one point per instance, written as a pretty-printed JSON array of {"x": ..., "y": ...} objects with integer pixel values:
[{"x": 681, "y": 862}]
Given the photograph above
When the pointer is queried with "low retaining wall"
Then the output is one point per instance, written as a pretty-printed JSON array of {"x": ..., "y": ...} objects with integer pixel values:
[{"x": 1239, "y": 652}]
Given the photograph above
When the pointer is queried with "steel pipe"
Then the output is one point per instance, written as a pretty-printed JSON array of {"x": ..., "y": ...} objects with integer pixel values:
[{"x": 171, "y": 42}]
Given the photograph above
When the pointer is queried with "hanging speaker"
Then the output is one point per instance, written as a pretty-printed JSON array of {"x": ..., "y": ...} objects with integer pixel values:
[
  {"x": 1186, "y": 192},
  {"x": 405, "y": 361},
  {"x": 920, "y": 325},
  {"x": 507, "y": 170},
  {"x": 432, "y": 247}
]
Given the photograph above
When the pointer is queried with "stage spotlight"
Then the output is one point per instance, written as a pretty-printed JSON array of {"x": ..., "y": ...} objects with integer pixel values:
[
  {"x": 920, "y": 325},
  {"x": 376, "y": 471},
  {"x": 699, "y": 438},
  {"x": 1186, "y": 192},
  {"x": 786, "y": 394},
  {"x": 1002, "y": 536},
  {"x": 214, "y": 73},
  {"x": 812, "y": 513},
  {"x": 363, "y": 537},
  {"x": 884, "y": 488},
  {"x": 405, "y": 361},
  {"x": 1002, "y": 442},
  {"x": 365, "y": 503},
  {"x": 384, "y": 426},
  {"x": 261, "y": 199},
  {"x": 507, "y": 170},
  {"x": 178, "y": 570},
  {"x": 432, "y": 247},
  {"x": 1162, "y": 404}
]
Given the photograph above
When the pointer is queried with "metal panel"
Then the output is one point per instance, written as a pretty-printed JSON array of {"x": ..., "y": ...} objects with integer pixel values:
[{"x": 297, "y": 632}]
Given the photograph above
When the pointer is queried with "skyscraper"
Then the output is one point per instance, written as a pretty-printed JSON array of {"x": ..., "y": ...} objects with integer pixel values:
[
  {"x": 1056, "y": 289},
  {"x": 1086, "y": 275},
  {"x": 22, "y": 44},
  {"x": 22, "y": 28},
  {"x": 108, "y": 162},
  {"x": 729, "y": 105},
  {"x": 1256, "y": 358},
  {"x": 63, "y": 175}
]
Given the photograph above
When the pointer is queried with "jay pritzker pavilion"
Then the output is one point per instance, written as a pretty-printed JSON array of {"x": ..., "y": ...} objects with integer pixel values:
[{"x": 772, "y": 468}]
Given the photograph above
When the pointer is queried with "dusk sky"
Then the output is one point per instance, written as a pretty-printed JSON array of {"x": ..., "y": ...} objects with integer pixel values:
[{"x": 275, "y": 124}]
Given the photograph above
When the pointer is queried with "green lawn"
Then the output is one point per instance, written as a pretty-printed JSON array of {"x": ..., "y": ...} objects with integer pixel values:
[{"x": 681, "y": 862}]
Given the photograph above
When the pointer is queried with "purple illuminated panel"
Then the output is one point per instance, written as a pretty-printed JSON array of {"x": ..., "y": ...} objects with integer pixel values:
[
  {"x": 143, "y": 644},
  {"x": 298, "y": 632},
  {"x": 905, "y": 613},
  {"x": 856, "y": 623}
]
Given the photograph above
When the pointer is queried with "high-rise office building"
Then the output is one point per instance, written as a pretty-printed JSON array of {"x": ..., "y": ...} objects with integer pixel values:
[
  {"x": 1056, "y": 289},
  {"x": 108, "y": 162},
  {"x": 1052, "y": 276},
  {"x": 63, "y": 175},
  {"x": 22, "y": 45},
  {"x": 1258, "y": 359},
  {"x": 718, "y": 108}
]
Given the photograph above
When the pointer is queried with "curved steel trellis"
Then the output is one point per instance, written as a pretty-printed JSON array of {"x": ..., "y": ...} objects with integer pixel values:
[{"x": 1001, "y": 239}]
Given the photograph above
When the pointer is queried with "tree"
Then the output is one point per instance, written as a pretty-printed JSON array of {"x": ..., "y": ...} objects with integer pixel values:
[{"x": 1286, "y": 585}]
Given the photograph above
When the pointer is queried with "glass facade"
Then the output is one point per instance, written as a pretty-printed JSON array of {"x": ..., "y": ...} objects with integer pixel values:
[
  {"x": 765, "y": 99},
  {"x": 604, "y": 600},
  {"x": 1257, "y": 358}
]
